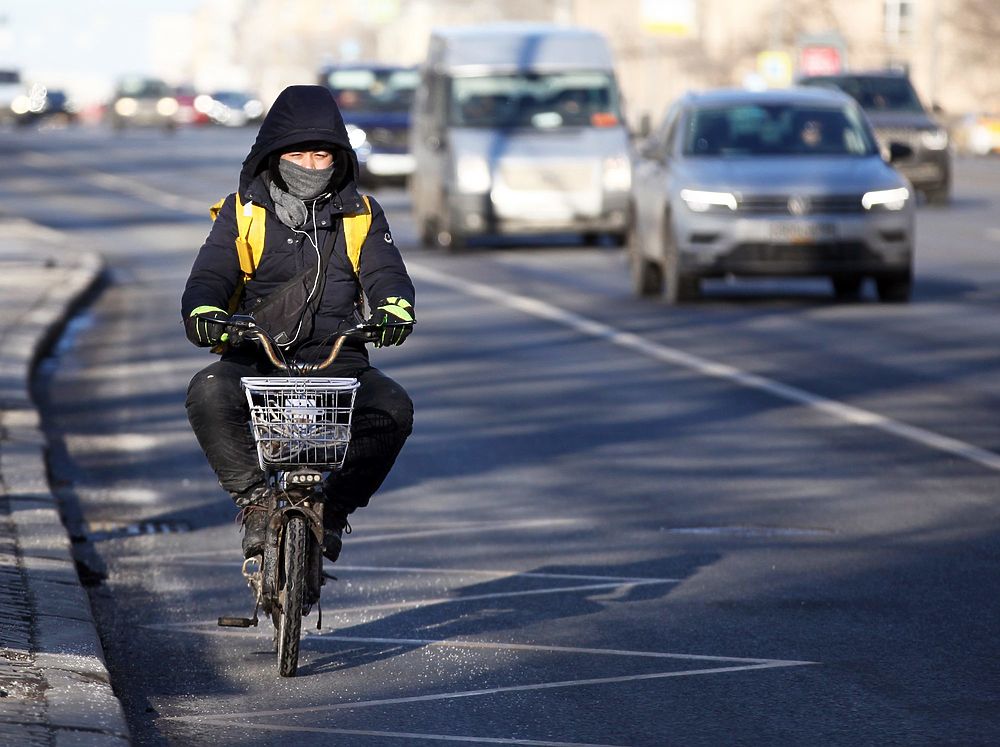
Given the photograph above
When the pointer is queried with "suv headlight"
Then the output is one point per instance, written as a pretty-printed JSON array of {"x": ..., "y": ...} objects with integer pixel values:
[
  {"x": 700, "y": 201},
  {"x": 936, "y": 139},
  {"x": 355, "y": 135},
  {"x": 473, "y": 175},
  {"x": 889, "y": 199}
]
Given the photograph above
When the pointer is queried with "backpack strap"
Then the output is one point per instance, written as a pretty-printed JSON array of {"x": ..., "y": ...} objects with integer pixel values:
[
  {"x": 250, "y": 222},
  {"x": 356, "y": 231}
]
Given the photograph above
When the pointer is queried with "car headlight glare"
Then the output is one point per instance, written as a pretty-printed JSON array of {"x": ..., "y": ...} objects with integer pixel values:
[
  {"x": 473, "y": 175},
  {"x": 167, "y": 106},
  {"x": 617, "y": 174},
  {"x": 934, "y": 139},
  {"x": 890, "y": 199},
  {"x": 126, "y": 106},
  {"x": 700, "y": 201},
  {"x": 356, "y": 136}
]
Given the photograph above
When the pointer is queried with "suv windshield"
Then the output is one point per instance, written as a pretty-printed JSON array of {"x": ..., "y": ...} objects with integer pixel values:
[
  {"x": 875, "y": 92},
  {"x": 545, "y": 102},
  {"x": 365, "y": 90},
  {"x": 776, "y": 129}
]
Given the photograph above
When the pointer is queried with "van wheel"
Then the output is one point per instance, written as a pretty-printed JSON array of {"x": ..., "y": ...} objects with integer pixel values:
[
  {"x": 428, "y": 234},
  {"x": 846, "y": 287},
  {"x": 647, "y": 276},
  {"x": 894, "y": 288},
  {"x": 451, "y": 241}
]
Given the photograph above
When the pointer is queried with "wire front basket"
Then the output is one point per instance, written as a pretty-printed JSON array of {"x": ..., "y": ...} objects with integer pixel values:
[{"x": 300, "y": 422}]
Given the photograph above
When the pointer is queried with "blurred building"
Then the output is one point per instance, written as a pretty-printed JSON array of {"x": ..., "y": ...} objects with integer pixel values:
[{"x": 664, "y": 47}]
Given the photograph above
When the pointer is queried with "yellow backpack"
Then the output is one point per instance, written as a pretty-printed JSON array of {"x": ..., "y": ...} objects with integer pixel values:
[{"x": 250, "y": 222}]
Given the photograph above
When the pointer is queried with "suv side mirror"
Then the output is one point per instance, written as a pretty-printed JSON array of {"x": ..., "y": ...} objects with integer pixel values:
[{"x": 899, "y": 151}]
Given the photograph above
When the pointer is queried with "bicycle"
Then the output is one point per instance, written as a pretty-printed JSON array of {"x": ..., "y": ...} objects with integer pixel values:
[{"x": 301, "y": 426}]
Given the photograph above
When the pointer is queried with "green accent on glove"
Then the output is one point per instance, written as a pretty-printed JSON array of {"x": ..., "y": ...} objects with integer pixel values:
[
  {"x": 207, "y": 332},
  {"x": 393, "y": 309}
]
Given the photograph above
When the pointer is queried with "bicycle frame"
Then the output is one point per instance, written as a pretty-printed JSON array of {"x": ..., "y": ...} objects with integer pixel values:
[{"x": 301, "y": 427}]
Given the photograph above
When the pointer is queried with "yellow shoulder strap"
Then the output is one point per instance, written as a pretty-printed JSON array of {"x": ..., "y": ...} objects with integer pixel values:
[
  {"x": 250, "y": 222},
  {"x": 356, "y": 231}
]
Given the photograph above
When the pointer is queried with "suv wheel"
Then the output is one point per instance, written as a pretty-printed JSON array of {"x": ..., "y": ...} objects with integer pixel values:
[{"x": 895, "y": 287}]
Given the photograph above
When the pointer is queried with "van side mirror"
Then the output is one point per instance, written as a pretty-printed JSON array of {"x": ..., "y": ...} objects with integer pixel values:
[
  {"x": 645, "y": 125},
  {"x": 899, "y": 151}
]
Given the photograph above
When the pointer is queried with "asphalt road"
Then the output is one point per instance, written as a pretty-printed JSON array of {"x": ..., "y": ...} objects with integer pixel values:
[{"x": 765, "y": 518}]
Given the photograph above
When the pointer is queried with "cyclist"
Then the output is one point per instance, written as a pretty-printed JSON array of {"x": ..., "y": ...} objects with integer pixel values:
[{"x": 300, "y": 181}]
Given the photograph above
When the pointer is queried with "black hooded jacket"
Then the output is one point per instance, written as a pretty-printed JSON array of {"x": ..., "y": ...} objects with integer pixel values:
[{"x": 300, "y": 115}]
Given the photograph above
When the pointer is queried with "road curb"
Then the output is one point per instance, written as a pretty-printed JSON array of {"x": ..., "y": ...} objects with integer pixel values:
[{"x": 81, "y": 708}]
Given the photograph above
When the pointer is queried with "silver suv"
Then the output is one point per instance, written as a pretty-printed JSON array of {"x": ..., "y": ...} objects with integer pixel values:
[{"x": 771, "y": 183}]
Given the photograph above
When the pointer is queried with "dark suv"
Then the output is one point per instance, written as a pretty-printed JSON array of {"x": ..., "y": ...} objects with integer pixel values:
[
  {"x": 375, "y": 101},
  {"x": 898, "y": 116}
]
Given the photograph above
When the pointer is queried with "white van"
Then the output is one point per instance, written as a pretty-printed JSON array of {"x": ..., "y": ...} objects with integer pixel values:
[{"x": 518, "y": 129}]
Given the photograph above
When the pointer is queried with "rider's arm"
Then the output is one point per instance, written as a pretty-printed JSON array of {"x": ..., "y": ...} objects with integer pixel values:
[
  {"x": 216, "y": 270},
  {"x": 382, "y": 272}
]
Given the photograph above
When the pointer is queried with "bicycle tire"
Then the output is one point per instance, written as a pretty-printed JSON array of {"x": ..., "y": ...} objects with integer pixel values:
[{"x": 292, "y": 595}]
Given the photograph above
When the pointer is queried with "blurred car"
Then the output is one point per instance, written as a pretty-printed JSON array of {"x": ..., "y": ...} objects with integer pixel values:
[
  {"x": 11, "y": 89},
  {"x": 375, "y": 101},
  {"x": 897, "y": 114},
  {"x": 769, "y": 183},
  {"x": 41, "y": 104},
  {"x": 143, "y": 102},
  {"x": 978, "y": 133},
  {"x": 232, "y": 108},
  {"x": 188, "y": 111}
]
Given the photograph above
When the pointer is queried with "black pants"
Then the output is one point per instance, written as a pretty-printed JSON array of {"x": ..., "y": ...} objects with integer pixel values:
[{"x": 218, "y": 411}]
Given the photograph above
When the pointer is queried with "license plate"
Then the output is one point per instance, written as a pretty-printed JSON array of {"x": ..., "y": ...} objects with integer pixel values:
[{"x": 798, "y": 232}]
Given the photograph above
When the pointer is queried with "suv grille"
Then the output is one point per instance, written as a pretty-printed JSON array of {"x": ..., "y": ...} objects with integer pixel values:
[{"x": 800, "y": 205}]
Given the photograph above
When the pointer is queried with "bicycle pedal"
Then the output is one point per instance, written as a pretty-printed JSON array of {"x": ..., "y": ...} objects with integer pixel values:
[
  {"x": 237, "y": 622},
  {"x": 330, "y": 576}
]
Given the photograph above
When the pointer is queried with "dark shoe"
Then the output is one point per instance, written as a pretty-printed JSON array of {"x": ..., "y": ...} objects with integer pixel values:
[
  {"x": 254, "y": 529},
  {"x": 335, "y": 524},
  {"x": 253, "y": 517}
]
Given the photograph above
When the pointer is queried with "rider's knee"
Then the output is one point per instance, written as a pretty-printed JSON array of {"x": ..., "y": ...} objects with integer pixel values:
[{"x": 208, "y": 387}]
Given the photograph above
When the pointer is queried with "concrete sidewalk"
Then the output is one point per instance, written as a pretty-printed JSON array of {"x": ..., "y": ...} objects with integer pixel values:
[{"x": 54, "y": 685}]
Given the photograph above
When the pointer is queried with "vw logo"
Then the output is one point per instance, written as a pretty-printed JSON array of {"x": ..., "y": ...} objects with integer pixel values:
[{"x": 798, "y": 206}]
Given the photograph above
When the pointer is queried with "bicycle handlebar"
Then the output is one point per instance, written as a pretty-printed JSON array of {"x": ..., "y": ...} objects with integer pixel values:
[{"x": 245, "y": 327}]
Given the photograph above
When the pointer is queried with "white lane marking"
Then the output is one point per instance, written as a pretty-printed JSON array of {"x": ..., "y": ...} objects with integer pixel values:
[
  {"x": 402, "y": 734},
  {"x": 438, "y": 601},
  {"x": 503, "y": 646},
  {"x": 122, "y": 184},
  {"x": 417, "y": 603},
  {"x": 837, "y": 410},
  {"x": 351, "y": 705}
]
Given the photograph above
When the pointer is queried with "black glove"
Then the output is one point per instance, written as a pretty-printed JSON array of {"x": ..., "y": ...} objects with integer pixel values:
[
  {"x": 206, "y": 333},
  {"x": 390, "y": 311}
]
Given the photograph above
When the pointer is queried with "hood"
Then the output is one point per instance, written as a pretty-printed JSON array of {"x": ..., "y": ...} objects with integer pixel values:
[
  {"x": 300, "y": 114},
  {"x": 901, "y": 120},
  {"x": 577, "y": 144},
  {"x": 779, "y": 175}
]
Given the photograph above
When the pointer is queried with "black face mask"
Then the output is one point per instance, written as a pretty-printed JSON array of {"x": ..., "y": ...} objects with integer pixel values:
[{"x": 304, "y": 183}]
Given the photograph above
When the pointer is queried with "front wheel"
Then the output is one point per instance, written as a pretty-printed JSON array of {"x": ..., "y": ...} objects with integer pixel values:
[
  {"x": 894, "y": 288},
  {"x": 292, "y": 596},
  {"x": 647, "y": 276}
]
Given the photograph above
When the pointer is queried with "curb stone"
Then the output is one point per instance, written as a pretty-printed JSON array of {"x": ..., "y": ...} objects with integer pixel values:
[{"x": 80, "y": 707}]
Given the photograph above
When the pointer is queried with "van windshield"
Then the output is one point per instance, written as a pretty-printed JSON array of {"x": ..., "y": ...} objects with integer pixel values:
[{"x": 543, "y": 102}]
